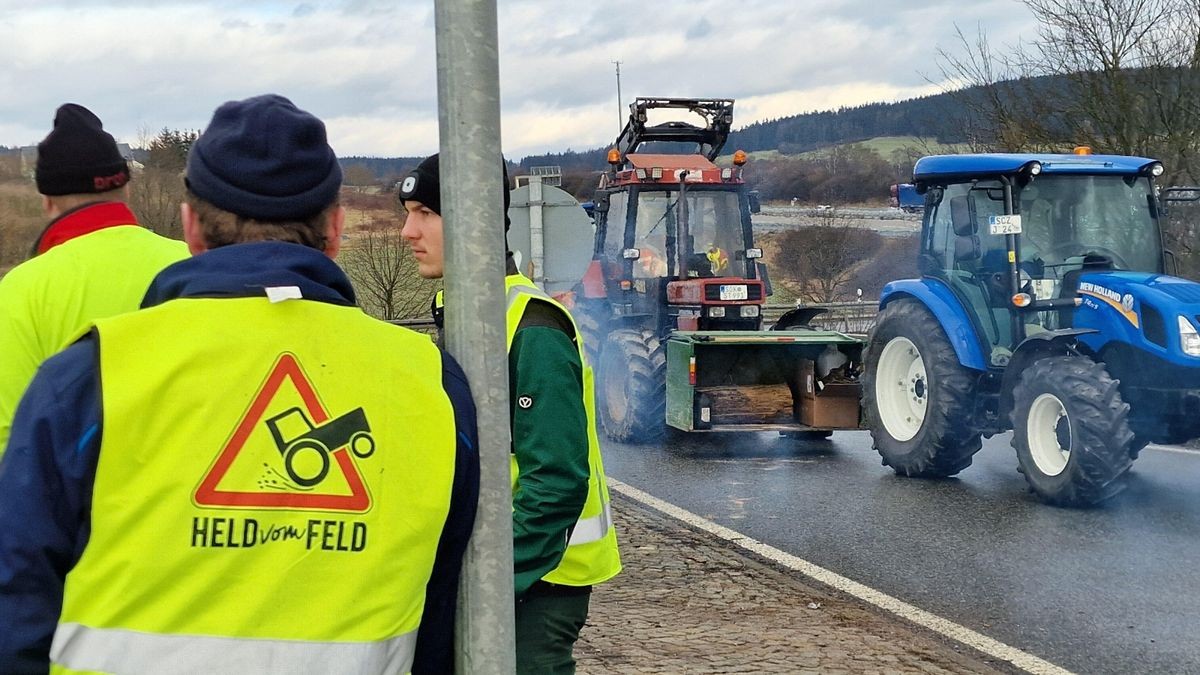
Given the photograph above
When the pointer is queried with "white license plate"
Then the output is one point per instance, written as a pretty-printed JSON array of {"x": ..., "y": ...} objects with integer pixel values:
[
  {"x": 737, "y": 292},
  {"x": 1004, "y": 224}
]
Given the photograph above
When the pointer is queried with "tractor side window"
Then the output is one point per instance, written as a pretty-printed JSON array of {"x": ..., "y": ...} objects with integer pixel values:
[
  {"x": 974, "y": 264},
  {"x": 614, "y": 232},
  {"x": 656, "y": 216}
]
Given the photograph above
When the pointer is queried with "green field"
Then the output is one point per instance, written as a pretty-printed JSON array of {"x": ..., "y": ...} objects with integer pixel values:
[{"x": 884, "y": 146}]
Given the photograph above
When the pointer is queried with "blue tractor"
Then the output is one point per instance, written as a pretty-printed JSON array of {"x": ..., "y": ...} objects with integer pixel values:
[{"x": 1043, "y": 307}]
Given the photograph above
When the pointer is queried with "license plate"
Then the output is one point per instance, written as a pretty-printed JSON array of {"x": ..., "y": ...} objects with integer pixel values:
[
  {"x": 1004, "y": 224},
  {"x": 737, "y": 292}
]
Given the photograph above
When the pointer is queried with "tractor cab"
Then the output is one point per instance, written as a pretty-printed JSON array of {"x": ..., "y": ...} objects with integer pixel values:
[
  {"x": 1015, "y": 245},
  {"x": 673, "y": 233}
]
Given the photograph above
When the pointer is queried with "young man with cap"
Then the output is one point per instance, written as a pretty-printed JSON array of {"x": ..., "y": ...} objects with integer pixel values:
[
  {"x": 249, "y": 474},
  {"x": 92, "y": 261},
  {"x": 563, "y": 538}
]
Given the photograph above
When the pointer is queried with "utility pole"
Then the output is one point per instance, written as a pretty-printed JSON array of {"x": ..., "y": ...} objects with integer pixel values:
[
  {"x": 469, "y": 124},
  {"x": 620, "y": 104}
]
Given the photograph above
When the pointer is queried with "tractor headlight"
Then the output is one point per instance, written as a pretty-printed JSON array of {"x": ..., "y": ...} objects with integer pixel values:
[
  {"x": 716, "y": 312},
  {"x": 1189, "y": 339},
  {"x": 749, "y": 311}
]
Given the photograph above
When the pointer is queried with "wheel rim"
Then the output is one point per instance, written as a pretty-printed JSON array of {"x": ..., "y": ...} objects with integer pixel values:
[
  {"x": 1048, "y": 431},
  {"x": 901, "y": 389}
]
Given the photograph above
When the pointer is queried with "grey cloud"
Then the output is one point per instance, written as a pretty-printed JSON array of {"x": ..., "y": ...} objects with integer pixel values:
[
  {"x": 700, "y": 29},
  {"x": 376, "y": 60}
]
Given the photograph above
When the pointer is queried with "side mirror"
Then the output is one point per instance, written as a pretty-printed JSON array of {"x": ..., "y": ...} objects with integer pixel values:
[
  {"x": 601, "y": 205},
  {"x": 961, "y": 218},
  {"x": 967, "y": 248},
  {"x": 761, "y": 270},
  {"x": 755, "y": 204}
]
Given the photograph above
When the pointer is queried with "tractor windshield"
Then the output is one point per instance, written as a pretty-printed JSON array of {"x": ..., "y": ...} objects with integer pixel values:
[
  {"x": 1067, "y": 217},
  {"x": 715, "y": 244}
]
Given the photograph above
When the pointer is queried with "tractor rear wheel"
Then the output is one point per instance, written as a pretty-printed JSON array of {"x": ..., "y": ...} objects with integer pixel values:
[
  {"x": 1071, "y": 431},
  {"x": 633, "y": 386},
  {"x": 918, "y": 401},
  {"x": 587, "y": 318}
]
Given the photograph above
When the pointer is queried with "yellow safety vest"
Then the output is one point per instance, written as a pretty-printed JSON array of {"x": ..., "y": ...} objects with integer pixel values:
[
  {"x": 272, "y": 484},
  {"x": 591, "y": 556},
  {"x": 46, "y": 301}
]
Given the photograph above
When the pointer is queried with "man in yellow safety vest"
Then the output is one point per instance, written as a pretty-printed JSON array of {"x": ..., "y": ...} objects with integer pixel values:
[
  {"x": 563, "y": 536},
  {"x": 249, "y": 474},
  {"x": 92, "y": 261}
]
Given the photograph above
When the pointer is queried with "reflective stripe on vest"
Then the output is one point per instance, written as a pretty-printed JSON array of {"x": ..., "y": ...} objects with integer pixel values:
[
  {"x": 592, "y": 529},
  {"x": 265, "y": 478},
  {"x": 128, "y": 652},
  {"x": 592, "y": 555}
]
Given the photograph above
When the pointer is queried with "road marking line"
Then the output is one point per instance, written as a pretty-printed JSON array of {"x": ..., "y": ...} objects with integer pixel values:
[
  {"x": 1172, "y": 448},
  {"x": 982, "y": 643}
]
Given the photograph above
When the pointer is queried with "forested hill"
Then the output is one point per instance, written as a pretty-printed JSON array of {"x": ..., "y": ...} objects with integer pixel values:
[{"x": 939, "y": 117}]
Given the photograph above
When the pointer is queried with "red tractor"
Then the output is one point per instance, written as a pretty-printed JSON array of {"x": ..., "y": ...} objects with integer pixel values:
[{"x": 674, "y": 254}]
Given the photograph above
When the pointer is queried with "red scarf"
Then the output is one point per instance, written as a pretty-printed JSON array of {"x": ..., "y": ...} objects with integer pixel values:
[{"x": 84, "y": 220}]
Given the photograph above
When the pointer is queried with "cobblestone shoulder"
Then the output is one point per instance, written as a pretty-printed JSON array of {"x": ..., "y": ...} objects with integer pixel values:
[{"x": 687, "y": 602}]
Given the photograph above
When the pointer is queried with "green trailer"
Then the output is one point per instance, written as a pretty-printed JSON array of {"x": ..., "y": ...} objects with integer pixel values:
[{"x": 789, "y": 381}]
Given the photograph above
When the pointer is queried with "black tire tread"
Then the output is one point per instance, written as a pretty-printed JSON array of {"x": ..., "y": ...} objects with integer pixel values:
[
  {"x": 1100, "y": 417},
  {"x": 645, "y": 386},
  {"x": 592, "y": 332},
  {"x": 948, "y": 440}
]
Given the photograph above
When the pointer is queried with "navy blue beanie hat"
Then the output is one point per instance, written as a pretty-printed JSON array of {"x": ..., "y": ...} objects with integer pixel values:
[{"x": 266, "y": 159}]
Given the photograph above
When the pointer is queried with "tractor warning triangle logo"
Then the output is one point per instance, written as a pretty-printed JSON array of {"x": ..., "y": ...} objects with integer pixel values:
[{"x": 287, "y": 453}]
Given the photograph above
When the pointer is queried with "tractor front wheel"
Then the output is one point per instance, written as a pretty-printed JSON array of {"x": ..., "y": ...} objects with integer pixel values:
[
  {"x": 1071, "y": 431},
  {"x": 633, "y": 386},
  {"x": 918, "y": 401}
]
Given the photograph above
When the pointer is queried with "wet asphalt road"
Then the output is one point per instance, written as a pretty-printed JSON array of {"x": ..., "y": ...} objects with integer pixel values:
[{"x": 1110, "y": 590}]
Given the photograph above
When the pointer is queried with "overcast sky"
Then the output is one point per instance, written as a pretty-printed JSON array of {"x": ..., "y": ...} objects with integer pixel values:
[{"x": 368, "y": 68}]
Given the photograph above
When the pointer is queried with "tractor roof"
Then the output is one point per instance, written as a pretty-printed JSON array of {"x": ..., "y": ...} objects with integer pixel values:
[
  {"x": 668, "y": 162},
  {"x": 942, "y": 167}
]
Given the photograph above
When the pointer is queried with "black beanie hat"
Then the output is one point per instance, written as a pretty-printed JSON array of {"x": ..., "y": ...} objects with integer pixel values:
[
  {"x": 79, "y": 157},
  {"x": 423, "y": 184},
  {"x": 264, "y": 158}
]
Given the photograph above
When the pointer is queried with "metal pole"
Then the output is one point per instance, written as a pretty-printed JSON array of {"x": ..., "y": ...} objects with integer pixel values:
[
  {"x": 537, "y": 254},
  {"x": 469, "y": 122},
  {"x": 620, "y": 105}
]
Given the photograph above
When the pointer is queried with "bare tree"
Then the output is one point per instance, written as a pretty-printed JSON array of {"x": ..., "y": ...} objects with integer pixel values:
[
  {"x": 1119, "y": 75},
  {"x": 384, "y": 272},
  {"x": 823, "y": 258},
  {"x": 157, "y": 189},
  {"x": 358, "y": 176}
]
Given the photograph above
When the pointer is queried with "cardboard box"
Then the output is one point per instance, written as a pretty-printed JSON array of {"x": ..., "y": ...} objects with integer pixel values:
[{"x": 833, "y": 407}]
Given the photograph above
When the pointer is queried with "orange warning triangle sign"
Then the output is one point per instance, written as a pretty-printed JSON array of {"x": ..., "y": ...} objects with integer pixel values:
[{"x": 251, "y": 450}]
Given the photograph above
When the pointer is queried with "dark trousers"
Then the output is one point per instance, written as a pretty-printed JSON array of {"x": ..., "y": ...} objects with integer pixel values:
[{"x": 548, "y": 621}]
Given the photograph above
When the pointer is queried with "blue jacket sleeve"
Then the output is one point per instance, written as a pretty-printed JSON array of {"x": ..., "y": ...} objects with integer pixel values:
[
  {"x": 435, "y": 639},
  {"x": 46, "y": 478}
]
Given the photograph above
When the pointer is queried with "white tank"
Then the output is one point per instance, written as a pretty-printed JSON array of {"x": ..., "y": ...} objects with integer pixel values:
[{"x": 551, "y": 236}]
